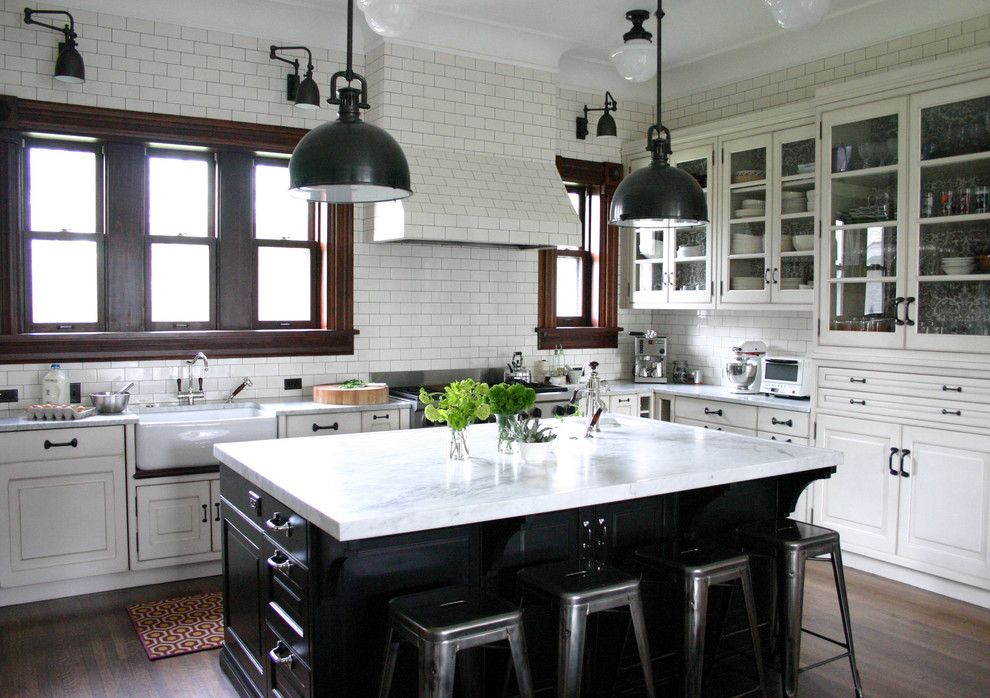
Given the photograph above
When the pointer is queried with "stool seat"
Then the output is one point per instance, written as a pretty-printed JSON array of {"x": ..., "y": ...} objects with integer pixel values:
[
  {"x": 440, "y": 615},
  {"x": 787, "y": 533},
  {"x": 579, "y": 581},
  {"x": 692, "y": 558}
]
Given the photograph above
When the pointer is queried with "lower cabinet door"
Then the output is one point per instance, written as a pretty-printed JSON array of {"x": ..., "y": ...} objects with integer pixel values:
[
  {"x": 245, "y": 592},
  {"x": 860, "y": 500},
  {"x": 174, "y": 520},
  {"x": 62, "y": 519},
  {"x": 215, "y": 511},
  {"x": 945, "y": 501},
  {"x": 380, "y": 420},
  {"x": 624, "y": 404}
]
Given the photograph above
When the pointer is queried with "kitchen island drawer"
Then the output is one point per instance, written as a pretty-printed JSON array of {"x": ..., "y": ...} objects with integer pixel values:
[
  {"x": 280, "y": 523},
  {"x": 783, "y": 439},
  {"x": 783, "y": 422},
  {"x": 60, "y": 444},
  {"x": 933, "y": 387},
  {"x": 287, "y": 657},
  {"x": 323, "y": 424},
  {"x": 715, "y": 412},
  {"x": 946, "y": 412},
  {"x": 379, "y": 420},
  {"x": 716, "y": 427}
]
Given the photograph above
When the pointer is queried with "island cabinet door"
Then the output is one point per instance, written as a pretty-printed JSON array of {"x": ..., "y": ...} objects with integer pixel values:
[
  {"x": 860, "y": 499},
  {"x": 609, "y": 530},
  {"x": 244, "y": 580}
]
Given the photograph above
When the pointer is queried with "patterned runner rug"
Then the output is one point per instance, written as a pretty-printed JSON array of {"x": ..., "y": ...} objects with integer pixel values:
[{"x": 179, "y": 626}]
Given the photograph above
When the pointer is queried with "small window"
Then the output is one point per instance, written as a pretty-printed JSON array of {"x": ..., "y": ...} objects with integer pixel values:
[
  {"x": 64, "y": 282},
  {"x": 573, "y": 293},
  {"x": 179, "y": 196},
  {"x": 63, "y": 184},
  {"x": 277, "y": 214}
]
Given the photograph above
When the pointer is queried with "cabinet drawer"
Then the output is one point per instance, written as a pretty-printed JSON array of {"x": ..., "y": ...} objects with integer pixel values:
[
  {"x": 909, "y": 385},
  {"x": 287, "y": 657},
  {"x": 275, "y": 519},
  {"x": 783, "y": 422},
  {"x": 624, "y": 404},
  {"x": 323, "y": 424},
  {"x": 59, "y": 444},
  {"x": 380, "y": 420},
  {"x": 715, "y": 412},
  {"x": 782, "y": 438},
  {"x": 288, "y": 583},
  {"x": 716, "y": 427},
  {"x": 949, "y": 413}
]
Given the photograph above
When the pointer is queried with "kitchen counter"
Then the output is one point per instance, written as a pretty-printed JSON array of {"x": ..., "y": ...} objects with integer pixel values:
[
  {"x": 356, "y": 486},
  {"x": 709, "y": 392},
  {"x": 22, "y": 423},
  {"x": 310, "y": 407}
]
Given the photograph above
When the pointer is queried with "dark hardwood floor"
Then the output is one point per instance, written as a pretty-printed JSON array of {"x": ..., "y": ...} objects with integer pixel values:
[{"x": 909, "y": 643}]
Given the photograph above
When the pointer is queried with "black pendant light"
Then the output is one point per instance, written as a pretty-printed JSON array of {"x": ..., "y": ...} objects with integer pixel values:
[
  {"x": 69, "y": 66},
  {"x": 659, "y": 195},
  {"x": 606, "y": 124},
  {"x": 347, "y": 160}
]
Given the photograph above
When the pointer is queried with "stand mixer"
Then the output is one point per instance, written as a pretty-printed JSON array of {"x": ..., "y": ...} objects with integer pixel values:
[{"x": 744, "y": 372}]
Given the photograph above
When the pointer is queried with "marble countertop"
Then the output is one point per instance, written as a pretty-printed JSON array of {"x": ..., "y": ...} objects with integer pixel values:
[
  {"x": 21, "y": 423},
  {"x": 356, "y": 486},
  {"x": 709, "y": 392}
]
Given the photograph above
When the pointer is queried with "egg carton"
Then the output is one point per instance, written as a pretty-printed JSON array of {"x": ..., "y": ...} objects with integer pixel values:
[{"x": 59, "y": 412}]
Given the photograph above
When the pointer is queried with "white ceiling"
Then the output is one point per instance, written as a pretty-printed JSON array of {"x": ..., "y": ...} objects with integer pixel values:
[{"x": 705, "y": 42}]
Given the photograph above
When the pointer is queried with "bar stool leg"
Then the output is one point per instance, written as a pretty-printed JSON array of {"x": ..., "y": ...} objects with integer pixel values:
[
  {"x": 436, "y": 670},
  {"x": 517, "y": 645},
  {"x": 570, "y": 656},
  {"x": 840, "y": 589},
  {"x": 695, "y": 609},
  {"x": 391, "y": 654},
  {"x": 790, "y": 624},
  {"x": 642, "y": 643},
  {"x": 747, "y": 587}
]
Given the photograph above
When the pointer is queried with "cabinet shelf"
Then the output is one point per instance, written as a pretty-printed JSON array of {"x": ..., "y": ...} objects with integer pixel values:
[
  {"x": 863, "y": 280},
  {"x": 797, "y": 216},
  {"x": 962, "y": 218},
  {"x": 864, "y": 172},
  {"x": 798, "y": 253},
  {"x": 682, "y": 260},
  {"x": 861, "y": 226},
  {"x": 955, "y": 159},
  {"x": 657, "y": 260},
  {"x": 758, "y": 185},
  {"x": 749, "y": 219},
  {"x": 799, "y": 179},
  {"x": 748, "y": 255},
  {"x": 954, "y": 277}
]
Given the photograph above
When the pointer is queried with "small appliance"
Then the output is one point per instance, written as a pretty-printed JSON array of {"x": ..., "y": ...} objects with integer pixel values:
[
  {"x": 650, "y": 358},
  {"x": 514, "y": 370},
  {"x": 745, "y": 371},
  {"x": 787, "y": 376}
]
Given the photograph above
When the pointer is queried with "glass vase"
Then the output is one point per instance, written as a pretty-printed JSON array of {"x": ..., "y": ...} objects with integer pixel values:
[
  {"x": 504, "y": 422},
  {"x": 458, "y": 446}
]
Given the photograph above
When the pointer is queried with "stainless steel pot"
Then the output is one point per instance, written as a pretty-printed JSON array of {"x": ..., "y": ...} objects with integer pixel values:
[{"x": 110, "y": 403}]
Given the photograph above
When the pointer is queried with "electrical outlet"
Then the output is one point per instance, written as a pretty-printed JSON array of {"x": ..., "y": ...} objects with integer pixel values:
[
  {"x": 292, "y": 384},
  {"x": 75, "y": 393},
  {"x": 8, "y": 395}
]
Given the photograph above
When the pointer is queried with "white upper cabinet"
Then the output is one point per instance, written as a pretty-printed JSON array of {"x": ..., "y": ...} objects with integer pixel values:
[{"x": 792, "y": 219}]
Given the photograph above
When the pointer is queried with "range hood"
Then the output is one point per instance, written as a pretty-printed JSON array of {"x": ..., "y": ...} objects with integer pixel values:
[{"x": 467, "y": 198}]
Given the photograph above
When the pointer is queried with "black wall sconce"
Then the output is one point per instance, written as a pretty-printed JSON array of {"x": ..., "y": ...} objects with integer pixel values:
[
  {"x": 69, "y": 64},
  {"x": 606, "y": 124},
  {"x": 305, "y": 94}
]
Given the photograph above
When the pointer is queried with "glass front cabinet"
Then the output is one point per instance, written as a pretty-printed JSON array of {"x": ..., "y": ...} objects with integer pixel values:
[
  {"x": 672, "y": 268},
  {"x": 906, "y": 232}
]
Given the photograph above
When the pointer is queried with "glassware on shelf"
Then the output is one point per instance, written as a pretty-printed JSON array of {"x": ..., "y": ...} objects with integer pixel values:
[{"x": 959, "y": 128}]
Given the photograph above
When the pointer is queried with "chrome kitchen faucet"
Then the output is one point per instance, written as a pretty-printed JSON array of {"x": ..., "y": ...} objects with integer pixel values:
[{"x": 190, "y": 395}]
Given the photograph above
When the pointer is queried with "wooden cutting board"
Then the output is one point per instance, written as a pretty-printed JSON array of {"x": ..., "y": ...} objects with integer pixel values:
[{"x": 371, "y": 394}]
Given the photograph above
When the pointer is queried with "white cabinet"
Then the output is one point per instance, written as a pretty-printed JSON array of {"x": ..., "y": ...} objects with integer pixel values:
[
  {"x": 380, "y": 420},
  {"x": 322, "y": 424},
  {"x": 65, "y": 512},
  {"x": 624, "y": 404},
  {"x": 174, "y": 520}
]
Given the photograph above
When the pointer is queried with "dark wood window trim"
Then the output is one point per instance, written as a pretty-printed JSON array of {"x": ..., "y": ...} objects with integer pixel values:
[
  {"x": 126, "y": 135},
  {"x": 603, "y": 330}
]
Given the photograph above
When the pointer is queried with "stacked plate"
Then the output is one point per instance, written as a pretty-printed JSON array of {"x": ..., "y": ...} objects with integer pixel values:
[
  {"x": 790, "y": 282},
  {"x": 743, "y": 243},
  {"x": 746, "y": 283},
  {"x": 806, "y": 168},
  {"x": 690, "y": 251},
  {"x": 793, "y": 202},
  {"x": 955, "y": 266},
  {"x": 750, "y": 208}
]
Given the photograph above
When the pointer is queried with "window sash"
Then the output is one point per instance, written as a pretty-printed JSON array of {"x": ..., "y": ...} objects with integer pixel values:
[
  {"x": 211, "y": 203},
  {"x": 314, "y": 248},
  {"x": 100, "y": 323},
  {"x": 184, "y": 326}
]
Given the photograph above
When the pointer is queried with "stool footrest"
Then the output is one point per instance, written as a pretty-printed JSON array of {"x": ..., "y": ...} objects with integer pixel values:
[
  {"x": 835, "y": 642},
  {"x": 823, "y": 662}
]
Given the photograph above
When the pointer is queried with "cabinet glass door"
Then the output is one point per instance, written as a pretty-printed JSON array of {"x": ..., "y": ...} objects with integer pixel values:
[
  {"x": 690, "y": 247},
  {"x": 863, "y": 249},
  {"x": 650, "y": 276},
  {"x": 793, "y": 219},
  {"x": 949, "y": 278},
  {"x": 746, "y": 200}
]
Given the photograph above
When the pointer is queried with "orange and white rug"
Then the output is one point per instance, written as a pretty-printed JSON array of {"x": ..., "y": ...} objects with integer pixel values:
[{"x": 179, "y": 626}]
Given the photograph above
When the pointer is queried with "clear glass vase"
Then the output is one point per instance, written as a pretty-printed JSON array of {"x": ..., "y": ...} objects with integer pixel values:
[
  {"x": 504, "y": 422},
  {"x": 458, "y": 446}
]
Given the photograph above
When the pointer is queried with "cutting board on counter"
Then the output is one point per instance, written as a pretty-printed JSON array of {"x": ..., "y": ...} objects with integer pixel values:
[{"x": 371, "y": 394}]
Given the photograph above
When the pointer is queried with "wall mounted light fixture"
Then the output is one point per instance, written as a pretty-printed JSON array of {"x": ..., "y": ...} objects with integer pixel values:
[
  {"x": 69, "y": 65},
  {"x": 606, "y": 124},
  {"x": 634, "y": 59},
  {"x": 305, "y": 94}
]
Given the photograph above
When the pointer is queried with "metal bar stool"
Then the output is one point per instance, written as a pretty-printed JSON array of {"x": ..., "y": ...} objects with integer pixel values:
[
  {"x": 580, "y": 588},
  {"x": 792, "y": 543},
  {"x": 698, "y": 567},
  {"x": 440, "y": 623}
]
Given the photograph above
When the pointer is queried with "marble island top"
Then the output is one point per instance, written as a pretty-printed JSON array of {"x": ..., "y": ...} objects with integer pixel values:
[{"x": 358, "y": 486}]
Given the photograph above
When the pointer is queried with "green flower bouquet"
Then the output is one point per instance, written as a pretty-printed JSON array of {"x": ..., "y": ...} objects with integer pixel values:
[
  {"x": 459, "y": 405},
  {"x": 507, "y": 400}
]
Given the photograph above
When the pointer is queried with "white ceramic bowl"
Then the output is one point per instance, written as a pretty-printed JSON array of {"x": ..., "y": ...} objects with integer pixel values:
[
  {"x": 803, "y": 243},
  {"x": 690, "y": 251},
  {"x": 752, "y": 203},
  {"x": 534, "y": 453},
  {"x": 749, "y": 212},
  {"x": 792, "y": 194}
]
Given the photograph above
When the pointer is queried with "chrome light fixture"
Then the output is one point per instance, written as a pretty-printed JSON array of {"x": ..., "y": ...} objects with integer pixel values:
[
  {"x": 606, "y": 124},
  {"x": 795, "y": 15},
  {"x": 305, "y": 94},
  {"x": 658, "y": 196},
  {"x": 69, "y": 65},
  {"x": 634, "y": 59},
  {"x": 347, "y": 160}
]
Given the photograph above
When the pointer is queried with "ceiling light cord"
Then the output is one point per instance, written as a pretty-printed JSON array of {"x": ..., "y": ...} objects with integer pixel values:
[
  {"x": 349, "y": 74},
  {"x": 660, "y": 148}
]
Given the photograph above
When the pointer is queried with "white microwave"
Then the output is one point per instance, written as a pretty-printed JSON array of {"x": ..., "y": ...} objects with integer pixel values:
[{"x": 787, "y": 376}]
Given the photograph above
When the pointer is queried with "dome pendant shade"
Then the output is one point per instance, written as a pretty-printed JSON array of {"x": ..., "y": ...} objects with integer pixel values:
[
  {"x": 308, "y": 93},
  {"x": 658, "y": 196},
  {"x": 348, "y": 161},
  {"x": 606, "y": 126},
  {"x": 69, "y": 65}
]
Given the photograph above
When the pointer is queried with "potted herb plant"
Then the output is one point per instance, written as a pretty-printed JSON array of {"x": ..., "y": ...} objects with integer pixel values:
[
  {"x": 532, "y": 441},
  {"x": 458, "y": 406},
  {"x": 506, "y": 401}
]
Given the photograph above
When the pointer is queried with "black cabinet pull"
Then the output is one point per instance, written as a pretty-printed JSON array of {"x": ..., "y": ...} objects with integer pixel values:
[
  {"x": 856, "y": 402},
  {"x": 890, "y": 461},
  {"x": 897, "y": 317},
  {"x": 907, "y": 311},
  {"x": 954, "y": 413},
  {"x": 784, "y": 422},
  {"x": 205, "y": 508},
  {"x": 717, "y": 412},
  {"x": 379, "y": 416},
  {"x": 49, "y": 444},
  {"x": 858, "y": 380},
  {"x": 217, "y": 505},
  {"x": 786, "y": 441},
  {"x": 952, "y": 388},
  {"x": 904, "y": 453},
  {"x": 333, "y": 427}
]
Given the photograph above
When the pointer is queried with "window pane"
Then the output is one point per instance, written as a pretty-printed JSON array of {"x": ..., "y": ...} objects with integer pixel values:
[
  {"x": 569, "y": 287},
  {"x": 63, "y": 190},
  {"x": 277, "y": 214},
  {"x": 178, "y": 197},
  {"x": 63, "y": 281},
  {"x": 575, "y": 201},
  {"x": 283, "y": 284},
  {"x": 180, "y": 283}
]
